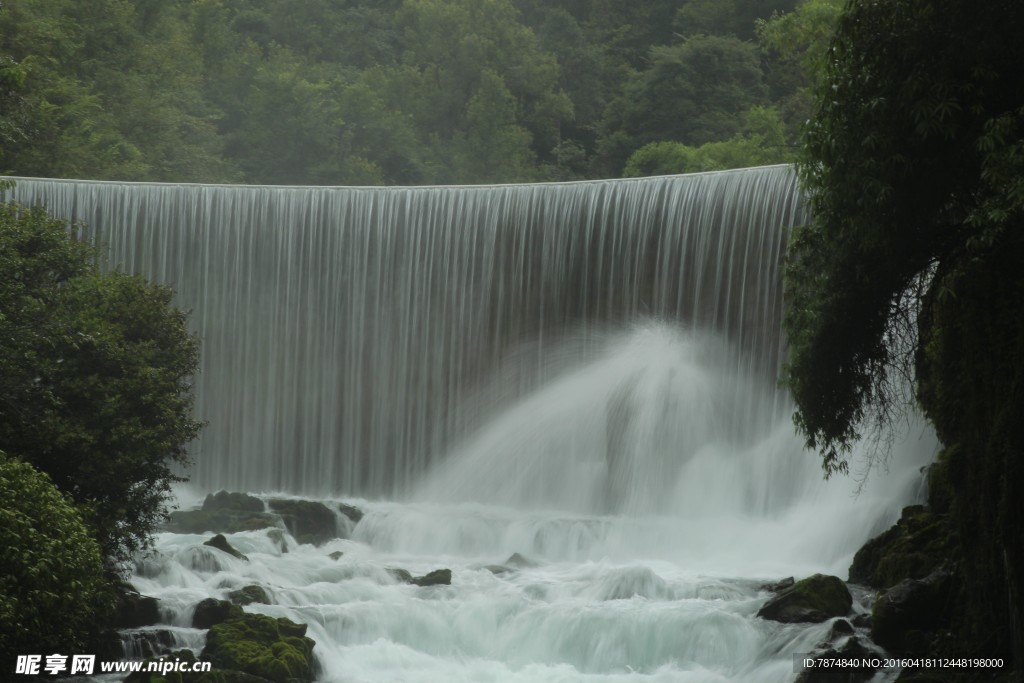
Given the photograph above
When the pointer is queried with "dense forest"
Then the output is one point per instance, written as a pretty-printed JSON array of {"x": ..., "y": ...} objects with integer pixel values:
[{"x": 352, "y": 92}]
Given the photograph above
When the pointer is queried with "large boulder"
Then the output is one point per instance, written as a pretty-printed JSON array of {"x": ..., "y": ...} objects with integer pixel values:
[
  {"x": 273, "y": 649},
  {"x": 232, "y": 502},
  {"x": 814, "y": 599},
  {"x": 134, "y": 610},
  {"x": 248, "y": 595},
  {"x": 210, "y": 612},
  {"x": 222, "y": 512},
  {"x": 911, "y": 549},
  {"x": 906, "y": 618},
  {"x": 438, "y": 577},
  {"x": 308, "y": 521}
]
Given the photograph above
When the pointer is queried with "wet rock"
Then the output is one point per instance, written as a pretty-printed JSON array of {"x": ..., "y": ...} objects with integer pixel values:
[
  {"x": 813, "y": 599},
  {"x": 234, "y": 502},
  {"x": 906, "y": 616},
  {"x": 248, "y": 595},
  {"x": 520, "y": 562},
  {"x": 336, "y": 555},
  {"x": 862, "y": 621},
  {"x": 308, "y": 521},
  {"x": 147, "y": 643},
  {"x": 777, "y": 586},
  {"x": 277, "y": 536},
  {"x": 400, "y": 575},
  {"x": 210, "y": 612},
  {"x": 273, "y": 649},
  {"x": 353, "y": 513},
  {"x": 911, "y": 549},
  {"x": 221, "y": 543},
  {"x": 135, "y": 610},
  {"x": 840, "y": 628},
  {"x": 498, "y": 569},
  {"x": 438, "y": 577},
  {"x": 851, "y": 648},
  {"x": 217, "y": 521}
]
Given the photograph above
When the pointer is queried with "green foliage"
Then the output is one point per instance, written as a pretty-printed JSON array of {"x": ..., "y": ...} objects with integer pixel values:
[
  {"x": 762, "y": 142},
  {"x": 903, "y": 169},
  {"x": 50, "y": 588},
  {"x": 96, "y": 372},
  {"x": 360, "y": 92}
]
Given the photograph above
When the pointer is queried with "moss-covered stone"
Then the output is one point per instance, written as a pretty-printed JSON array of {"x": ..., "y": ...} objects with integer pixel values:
[
  {"x": 275, "y": 649},
  {"x": 308, "y": 521},
  {"x": 813, "y": 599},
  {"x": 221, "y": 543},
  {"x": 438, "y": 577},
  {"x": 906, "y": 617},
  {"x": 248, "y": 595},
  {"x": 914, "y": 547},
  {"x": 217, "y": 521},
  {"x": 234, "y": 502},
  {"x": 350, "y": 511},
  {"x": 134, "y": 610},
  {"x": 210, "y": 612}
]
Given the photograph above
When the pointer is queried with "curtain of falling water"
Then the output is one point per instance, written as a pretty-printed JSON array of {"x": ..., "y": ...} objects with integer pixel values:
[{"x": 345, "y": 329}]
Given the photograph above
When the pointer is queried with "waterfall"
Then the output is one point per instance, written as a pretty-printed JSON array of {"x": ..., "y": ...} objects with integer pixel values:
[{"x": 349, "y": 335}]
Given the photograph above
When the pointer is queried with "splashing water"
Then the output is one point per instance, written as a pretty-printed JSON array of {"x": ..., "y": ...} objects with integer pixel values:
[{"x": 581, "y": 376}]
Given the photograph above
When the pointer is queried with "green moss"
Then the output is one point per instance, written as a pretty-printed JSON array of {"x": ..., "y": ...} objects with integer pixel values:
[
  {"x": 914, "y": 547},
  {"x": 248, "y": 595},
  {"x": 275, "y": 649},
  {"x": 307, "y": 520},
  {"x": 813, "y": 599}
]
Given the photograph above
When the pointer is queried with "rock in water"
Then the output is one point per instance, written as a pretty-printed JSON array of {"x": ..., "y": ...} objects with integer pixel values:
[
  {"x": 438, "y": 577},
  {"x": 906, "y": 616},
  {"x": 274, "y": 649},
  {"x": 308, "y": 521},
  {"x": 221, "y": 543},
  {"x": 236, "y": 502},
  {"x": 813, "y": 599},
  {"x": 248, "y": 595},
  {"x": 210, "y": 612}
]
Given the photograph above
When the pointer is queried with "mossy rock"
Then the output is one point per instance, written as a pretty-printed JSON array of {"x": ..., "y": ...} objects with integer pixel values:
[
  {"x": 814, "y": 599},
  {"x": 134, "y": 610},
  {"x": 210, "y": 612},
  {"x": 214, "y": 676},
  {"x": 234, "y": 502},
  {"x": 911, "y": 549},
  {"x": 438, "y": 577},
  {"x": 308, "y": 521},
  {"x": 248, "y": 595},
  {"x": 275, "y": 649},
  {"x": 217, "y": 521},
  {"x": 221, "y": 543},
  {"x": 350, "y": 511},
  {"x": 905, "y": 618},
  {"x": 400, "y": 575}
]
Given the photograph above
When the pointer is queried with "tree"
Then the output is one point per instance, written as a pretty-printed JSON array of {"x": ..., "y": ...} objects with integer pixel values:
[
  {"x": 693, "y": 92},
  {"x": 96, "y": 374},
  {"x": 913, "y": 152},
  {"x": 51, "y": 586},
  {"x": 761, "y": 142},
  {"x": 909, "y": 274}
]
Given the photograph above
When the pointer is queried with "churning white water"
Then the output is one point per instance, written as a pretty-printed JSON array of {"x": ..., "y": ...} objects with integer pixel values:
[{"x": 567, "y": 394}]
